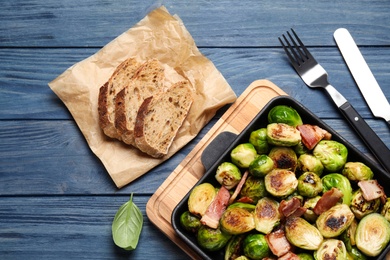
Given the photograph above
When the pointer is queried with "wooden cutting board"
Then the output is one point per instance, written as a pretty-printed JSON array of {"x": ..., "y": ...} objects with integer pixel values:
[{"x": 160, "y": 206}]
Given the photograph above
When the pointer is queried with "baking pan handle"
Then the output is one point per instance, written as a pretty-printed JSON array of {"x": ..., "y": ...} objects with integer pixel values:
[{"x": 216, "y": 148}]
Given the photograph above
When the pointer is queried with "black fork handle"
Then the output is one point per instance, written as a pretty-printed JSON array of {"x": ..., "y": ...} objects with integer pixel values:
[{"x": 370, "y": 138}]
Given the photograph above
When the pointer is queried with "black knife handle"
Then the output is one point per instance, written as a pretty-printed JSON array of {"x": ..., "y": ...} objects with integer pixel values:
[{"x": 370, "y": 138}]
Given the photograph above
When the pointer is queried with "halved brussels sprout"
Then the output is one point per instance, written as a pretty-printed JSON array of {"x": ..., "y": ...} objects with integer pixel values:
[
  {"x": 332, "y": 154},
  {"x": 361, "y": 207},
  {"x": 261, "y": 166},
  {"x": 284, "y": 158},
  {"x": 280, "y": 182},
  {"x": 234, "y": 247},
  {"x": 246, "y": 206},
  {"x": 309, "y": 184},
  {"x": 335, "y": 220},
  {"x": 331, "y": 249},
  {"x": 256, "y": 247},
  {"x": 236, "y": 221},
  {"x": 282, "y": 135},
  {"x": 302, "y": 234},
  {"x": 386, "y": 209},
  {"x": 309, "y": 205},
  {"x": 228, "y": 175},
  {"x": 200, "y": 198},
  {"x": 243, "y": 154},
  {"x": 348, "y": 237},
  {"x": 357, "y": 171},
  {"x": 253, "y": 189},
  {"x": 284, "y": 114},
  {"x": 259, "y": 140},
  {"x": 212, "y": 239},
  {"x": 372, "y": 234},
  {"x": 190, "y": 222},
  {"x": 267, "y": 215},
  {"x": 310, "y": 163},
  {"x": 336, "y": 180}
]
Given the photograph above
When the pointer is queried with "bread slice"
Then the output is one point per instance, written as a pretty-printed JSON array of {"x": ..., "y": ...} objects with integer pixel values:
[
  {"x": 160, "y": 117},
  {"x": 107, "y": 93},
  {"x": 148, "y": 81}
]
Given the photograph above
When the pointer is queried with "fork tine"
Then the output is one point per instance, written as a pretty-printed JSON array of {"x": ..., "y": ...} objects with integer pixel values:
[
  {"x": 286, "y": 50},
  {"x": 301, "y": 45}
]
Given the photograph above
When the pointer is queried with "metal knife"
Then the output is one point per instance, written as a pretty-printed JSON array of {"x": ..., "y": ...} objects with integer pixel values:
[{"x": 362, "y": 74}]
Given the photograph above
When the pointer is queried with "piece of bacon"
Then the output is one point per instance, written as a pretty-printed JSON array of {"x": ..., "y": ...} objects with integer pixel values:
[
  {"x": 291, "y": 207},
  {"x": 371, "y": 190},
  {"x": 312, "y": 134},
  {"x": 327, "y": 200},
  {"x": 216, "y": 208},
  {"x": 239, "y": 187},
  {"x": 278, "y": 242}
]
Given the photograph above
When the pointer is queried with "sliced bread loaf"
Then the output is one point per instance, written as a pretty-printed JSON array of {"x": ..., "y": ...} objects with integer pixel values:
[
  {"x": 148, "y": 81},
  {"x": 107, "y": 93},
  {"x": 160, "y": 117}
]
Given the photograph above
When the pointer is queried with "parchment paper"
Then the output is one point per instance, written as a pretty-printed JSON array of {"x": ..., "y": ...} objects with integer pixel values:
[{"x": 158, "y": 35}]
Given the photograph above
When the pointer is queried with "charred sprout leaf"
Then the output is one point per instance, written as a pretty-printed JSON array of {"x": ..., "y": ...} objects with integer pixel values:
[
  {"x": 212, "y": 239},
  {"x": 357, "y": 171},
  {"x": 309, "y": 184},
  {"x": 372, "y": 234},
  {"x": 228, "y": 175},
  {"x": 243, "y": 154},
  {"x": 267, "y": 215},
  {"x": 309, "y": 163},
  {"x": 284, "y": 114},
  {"x": 256, "y": 246},
  {"x": 236, "y": 221},
  {"x": 302, "y": 234},
  {"x": 335, "y": 221},
  {"x": 200, "y": 198},
  {"x": 331, "y": 249},
  {"x": 280, "y": 182},
  {"x": 190, "y": 222},
  {"x": 332, "y": 154},
  {"x": 261, "y": 166},
  {"x": 259, "y": 140},
  {"x": 361, "y": 207},
  {"x": 127, "y": 225},
  {"x": 284, "y": 158},
  {"x": 280, "y": 134},
  {"x": 336, "y": 180}
]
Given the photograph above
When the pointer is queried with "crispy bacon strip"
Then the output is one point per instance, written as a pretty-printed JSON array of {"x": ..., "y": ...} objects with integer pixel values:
[
  {"x": 216, "y": 208},
  {"x": 278, "y": 242},
  {"x": 239, "y": 187},
  {"x": 371, "y": 190},
  {"x": 327, "y": 200},
  {"x": 312, "y": 134},
  {"x": 289, "y": 207}
]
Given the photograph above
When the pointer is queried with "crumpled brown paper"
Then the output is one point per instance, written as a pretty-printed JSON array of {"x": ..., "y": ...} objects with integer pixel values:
[{"x": 158, "y": 35}]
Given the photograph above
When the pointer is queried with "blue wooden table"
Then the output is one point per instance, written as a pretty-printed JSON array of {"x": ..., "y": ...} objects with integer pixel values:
[{"x": 56, "y": 199}]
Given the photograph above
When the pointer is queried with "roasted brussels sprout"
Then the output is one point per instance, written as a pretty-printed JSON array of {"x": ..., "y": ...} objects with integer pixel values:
[
  {"x": 332, "y": 154},
  {"x": 243, "y": 154},
  {"x": 302, "y": 234},
  {"x": 284, "y": 158},
  {"x": 259, "y": 140},
  {"x": 305, "y": 256},
  {"x": 361, "y": 207},
  {"x": 284, "y": 114},
  {"x": 348, "y": 237},
  {"x": 234, "y": 247},
  {"x": 309, "y": 205},
  {"x": 260, "y": 166},
  {"x": 282, "y": 135},
  {"x": 300, "y": 148},
  {"x": 335, "y": 221},
  {"x": 242, "y": 257},
  {"x": 336, "y": 180},
  {"x": 310, "y": 163},
  {"x": 386, "y": 209},
  {"x": 357, "y": 171},
  {"x": 190, "y": 222},
  {"x": 309, "y": 184},
  {"x": 280, "y": 182},
  {"x": 228, "y": 175},
  {"x": 236, "y": 221},
  {"x": 372, "y": 234},
  {"x": 212, "y": 239},
  {"x": 331, "y": 249},
  {"x": 200, "y": 198},
  {"x": 246, "y": 206},
  {"x": 253, "y": 189},
  {"x": 255, "y": 246},
  {"x": 267, "y": 215}
]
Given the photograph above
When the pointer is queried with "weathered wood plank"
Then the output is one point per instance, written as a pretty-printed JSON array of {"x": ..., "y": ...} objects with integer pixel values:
[
  {"x": 212, "y": 23},
  {"x": 74, "y": 227},
  {"x": 25, "y": 73}
]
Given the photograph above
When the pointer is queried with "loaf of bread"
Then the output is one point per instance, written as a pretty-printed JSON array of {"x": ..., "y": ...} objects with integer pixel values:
[
  {"x": 148, "y": 81},
  {"x": 107, "y": 95},
  {"x": 160, "y": 117}
]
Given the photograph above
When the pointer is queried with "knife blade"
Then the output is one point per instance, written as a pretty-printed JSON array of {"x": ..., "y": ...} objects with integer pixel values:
[{"x": 362, "y": 74}]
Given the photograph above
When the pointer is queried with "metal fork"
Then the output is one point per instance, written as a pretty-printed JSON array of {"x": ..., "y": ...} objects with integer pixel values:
[{"x": 315, "y": 76}]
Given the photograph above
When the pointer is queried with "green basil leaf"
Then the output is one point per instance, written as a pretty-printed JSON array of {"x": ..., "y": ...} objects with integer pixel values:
[{"x": 127, "y": 225}]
